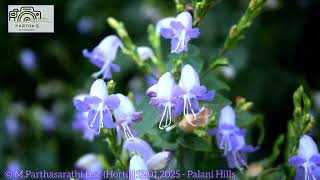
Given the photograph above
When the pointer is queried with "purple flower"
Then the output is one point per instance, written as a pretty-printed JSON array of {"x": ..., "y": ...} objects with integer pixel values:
[
  {"x": 98, "y": 105},
  {"x": 85, "y": 25},
  {"x": 12, "y": 125},
  {"x": 48, "y": 120},
  {"x": 125, "y": 114},
  {"x": 90, "y": 162},
  {"x": 307, "y": 160},
  {"x": 103, "y": 56},
  {"x": 14, "y": 167},
  {"x": 153, "y": 161},
  {"x": 191, "y": 91},
  {"x": 81, "y": 123},
  {"x": 164, "y": 97},
  {"x": 231, "y": 139},
  {"x": 180, "y": 32},
  {"x": 164, "y": 23},
  {"x": 28, "y": 59}
]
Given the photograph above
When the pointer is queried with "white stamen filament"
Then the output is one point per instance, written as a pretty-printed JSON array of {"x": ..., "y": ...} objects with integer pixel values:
[
  {"x": 308, "y": 172},
  {"x": 104, "y": 67},
  {"x": 238, "y": 160},
  {"x": 127, "y": 132},
  {"x": 167, "y": 115},
  {"x": 186, "y": 106},
  {"x": 99, "y": 111},
  {"x": 181, "y": 40}
]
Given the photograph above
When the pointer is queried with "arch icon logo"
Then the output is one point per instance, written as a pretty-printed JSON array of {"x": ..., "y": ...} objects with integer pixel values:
[{"x": 31, "y": 18}]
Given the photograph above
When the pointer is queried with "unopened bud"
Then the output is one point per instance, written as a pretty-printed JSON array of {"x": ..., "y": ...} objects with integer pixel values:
[{"x": 254, "y": 169}]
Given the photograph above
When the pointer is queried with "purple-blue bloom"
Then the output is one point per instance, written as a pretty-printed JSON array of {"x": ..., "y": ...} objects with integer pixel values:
[
  {"x": 125, "y": 114},
  {"x": 307, "y": 160},
  {"x": 180, "y": 32},
  {"x": 14, "y": 167},
  {"x": 153, "y": 161},
  {"x": 12, "y": 125},
  {"x": 85, "y": 25},
  {"x": 164, "y": 95},
  {"x": 137, "y": 164},
  {"x": 231, "y": 139},
  {"x": 81, "y": 123},
  {"x": 103, "y": 56},
  {"x": 28, "y": 59},
  {"x": 48, "y": 120},
  {"x": 191, "y": 91},
  {"x": 98, "y": 104}
]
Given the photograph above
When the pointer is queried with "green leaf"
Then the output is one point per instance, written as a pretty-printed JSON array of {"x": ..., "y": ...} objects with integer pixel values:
[
  {"x": 245, "y": 119},
  {"x": 161, "y": 140},
  {"x": 194, "y": 143},
  {"x": 212, "y": 82},
  {"x": 218, "y": 102},
  {"x": 149, "y": 118},
  {"x": 222, "y": 61}
]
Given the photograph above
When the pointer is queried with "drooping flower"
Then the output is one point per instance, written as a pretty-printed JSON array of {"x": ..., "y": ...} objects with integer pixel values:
[
  {"x": 125, "y": 114},
  {"x": 28, "y": 59},
  {"x": 146, "y": 53},
  {"x": 81, "y": 123},
  {"x": 231, "y": 139},
  {"x": 164, "y": 97},
  {"x": 137, "y": 164},
  {"x": 90, "y": 162},
  {"x": 192, "y": 91},
  {"x": 180, "y": 32},
  {"x": 103, "y": 56},
  {"x": 85, "y": 25},
  {"x": 98, "y": 105},
  {"x": 307, "y": 160},
  {"x": 153, "y": 161}
]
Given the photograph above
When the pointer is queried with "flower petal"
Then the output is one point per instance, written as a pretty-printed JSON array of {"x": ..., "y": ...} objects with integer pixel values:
[
  {"x": 158, "y": 161},
  {"x": 112, "y": 101},
  {"x": 164, "y": 23},
  {"x": 94, "y": 118},
  {"x": 81, "y": 106},
  {"x": 186, "y": 19},
  {"x": 167, "y": 33},
  {"x": 227, "y": 116},
  {"x": 189, "y": 78},
  {"x": 296, "y": 161},
  {"x": 107, "y": 119},
  {"x": 99, "y": 89},
  {"x": 307, "y": 147},
  {"x": 193, "y": 33},
  {"x": 137, "y": 164},
  {"x": 140, "y": 146}
]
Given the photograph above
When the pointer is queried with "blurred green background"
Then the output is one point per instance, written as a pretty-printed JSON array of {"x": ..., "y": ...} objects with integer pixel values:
[{"x": 278, "y": 54}]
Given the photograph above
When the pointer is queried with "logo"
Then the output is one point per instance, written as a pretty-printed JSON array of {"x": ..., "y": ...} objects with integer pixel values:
[{"x": 30, "y": 18}]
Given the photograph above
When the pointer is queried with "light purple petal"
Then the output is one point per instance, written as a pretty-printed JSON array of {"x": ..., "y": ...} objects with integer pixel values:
[
  {"x": 213, "y": 131},
  {"x": 140, "y": 146},
  {"x": 92, "y": 100},
  {"x": 95, "y": 58},
  {"x": 107, "y": 119},
  {"x": 175, "y": 45},
  {"x": 137, "y": 116},
  {"x": 112, "y": 101},
  {"x": 296, "y": 161},
  {"x": 193, "y": 33},
  {"x": 236, "y": 159},
  {"x": 315, "y": 159},
  {"x": 81, "y": 106},
  {"x": 177, "y": 25},
  {"x": 159, "y": 160},
  {"x": 167, "y": 33},
  {"x": 115, "y": 67}
]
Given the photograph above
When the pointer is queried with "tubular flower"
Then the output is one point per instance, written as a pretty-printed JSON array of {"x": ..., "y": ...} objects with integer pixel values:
[
  {"x": 180, "y": 32},
  {"x": 98, "y": 105},
  {"x": 192, "y": 91},
  {"x": 90, "y": 162},
  {"x": 164, "y": 97},
  {"x": 307, "y": 160},
  {"x": 28, "y": 59},
  {"x": 153, "y": 161},
  {"x": 125, "y": 114},
  {"x": 137, "y": 164},
  {"x": 103, "y": 56},
  {"x": 81, "y": 123},
  {"x": 231, "y": 139},
  {"x": 145, "y": 53}
]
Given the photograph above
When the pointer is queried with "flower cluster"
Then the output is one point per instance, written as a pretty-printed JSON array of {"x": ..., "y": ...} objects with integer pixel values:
[
  {"x": 173, "y": 99},
  {"x": 96, "y": 108},
  {"x": 231, "y": 139}
]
